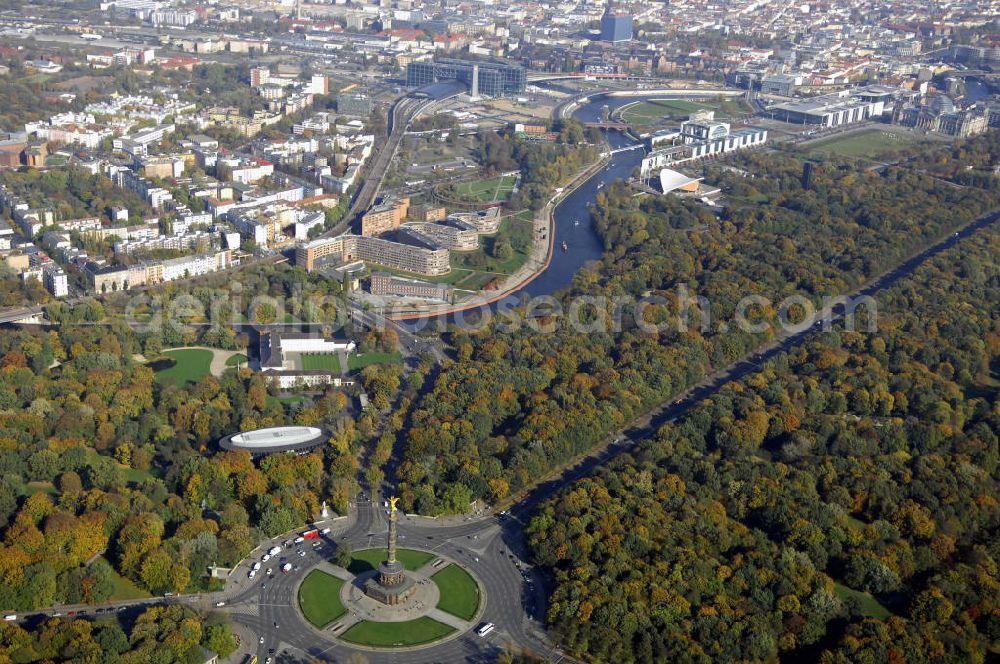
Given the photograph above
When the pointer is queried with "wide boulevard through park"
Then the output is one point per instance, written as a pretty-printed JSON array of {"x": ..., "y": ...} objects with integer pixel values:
[{"x": 491, "y": 546}]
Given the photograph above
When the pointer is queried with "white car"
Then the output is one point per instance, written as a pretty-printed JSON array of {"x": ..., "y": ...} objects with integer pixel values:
[
  {"x": 302, "y": 554},
  {"x": 266, "y": 557},
  {"x": 256, "y": 566},
  {"x": 252, "y": 574}
]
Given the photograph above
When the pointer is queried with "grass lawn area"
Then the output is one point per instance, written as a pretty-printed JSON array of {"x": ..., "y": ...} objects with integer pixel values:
[
  {"x": 870, "y": 144},
  {"x": 499, "y": 188},
  {"x": 31, "y": 488},
  {"x": 409, "y": 633},
  {"x": 190, "y": 365},
  {"x": 124, "y": 589},
  {"x": 325, "y": 361},
  {"x": 870, "y": 606},
  {"x": 136, "y": 476},
  {"x": 369, "y": 559},
  {"x": 647, "y": 113},
  {"x": 356, "y": 361},
  {"x": 516, "y": 229},
  {"x": 459, "y": 592},
  {"x": 319, "y": 598},
  {"x": 293, "y": 398},
  {"x": 236, "y": 360}
]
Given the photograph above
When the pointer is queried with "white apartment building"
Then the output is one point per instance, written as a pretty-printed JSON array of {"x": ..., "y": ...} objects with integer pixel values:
[{"x": 56, "y": 281}]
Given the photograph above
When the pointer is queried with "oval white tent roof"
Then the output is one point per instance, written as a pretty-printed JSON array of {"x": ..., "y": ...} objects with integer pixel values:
[
  {"x": 275, "y": 439},
  {"x": 671, "y": 179}
]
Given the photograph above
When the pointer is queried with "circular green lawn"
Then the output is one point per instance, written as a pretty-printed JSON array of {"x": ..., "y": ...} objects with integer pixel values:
[
  {"x": 396, "y": 634},
  {"x": 319, "y": 598},
  {"x": 459, "y": 592}
]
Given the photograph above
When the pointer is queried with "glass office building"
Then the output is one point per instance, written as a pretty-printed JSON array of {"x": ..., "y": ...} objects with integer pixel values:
[
  {"x": 616, "y": 28},
  {"x": 486, "y": 79}
]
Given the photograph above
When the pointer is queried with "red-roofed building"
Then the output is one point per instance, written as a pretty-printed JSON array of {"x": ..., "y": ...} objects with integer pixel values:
[
  {"x": 180, "y": 62},
  {"x": 450, "y": 42}
]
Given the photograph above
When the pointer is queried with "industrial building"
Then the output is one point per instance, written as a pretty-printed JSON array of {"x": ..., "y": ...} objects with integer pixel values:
[{"x": 487, "y": 79}]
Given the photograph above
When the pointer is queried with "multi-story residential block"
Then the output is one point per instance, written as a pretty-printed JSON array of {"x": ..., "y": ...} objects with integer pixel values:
[
  {"x": 56, "y": 281},
  {"x": 414, "y": 255},
  {"x": 451, "y": 233},
  {"x": 387, "y": 284},
  {"x": 384, "y": 217}
]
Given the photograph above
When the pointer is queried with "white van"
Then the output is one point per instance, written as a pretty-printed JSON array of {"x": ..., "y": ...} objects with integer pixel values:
[
  {"x": 485, "y": 629},
  {"x": 10, "y": 617}
]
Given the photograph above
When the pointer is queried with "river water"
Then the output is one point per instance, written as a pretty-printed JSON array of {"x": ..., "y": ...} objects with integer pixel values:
[{"x": 582, "y": 243}]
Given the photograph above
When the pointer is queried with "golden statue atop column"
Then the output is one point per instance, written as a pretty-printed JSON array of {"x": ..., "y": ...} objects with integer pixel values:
[{"x": 390, "y": 585}]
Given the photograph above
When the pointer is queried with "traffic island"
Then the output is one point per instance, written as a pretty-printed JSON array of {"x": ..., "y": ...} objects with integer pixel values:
[
  {"x": 392, "y": 598},
  {"x": 458, "y": 592},
  {"x": 418, "y": 632},
  {"x": 319, "y": 598}
]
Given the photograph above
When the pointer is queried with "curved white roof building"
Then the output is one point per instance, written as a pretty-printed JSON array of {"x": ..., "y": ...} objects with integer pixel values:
[{"x": 275, "y": 439}]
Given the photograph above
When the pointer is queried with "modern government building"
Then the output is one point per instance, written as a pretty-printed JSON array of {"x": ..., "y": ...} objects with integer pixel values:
[
  {"x": 831, "y": 110},
  {"x": 487, "y": 79}
]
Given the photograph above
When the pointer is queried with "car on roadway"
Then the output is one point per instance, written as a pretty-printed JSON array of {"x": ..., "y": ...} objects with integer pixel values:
[
  {"x": 485, "y": 629},
  {"x": 302, "y": 554},
  {"x": 262, "y": 639},
  {"x": 220, "y": 603}
]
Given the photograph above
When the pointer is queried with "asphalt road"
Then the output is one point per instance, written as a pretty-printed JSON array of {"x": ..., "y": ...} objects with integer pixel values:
[{"x": 266, "y": 605}]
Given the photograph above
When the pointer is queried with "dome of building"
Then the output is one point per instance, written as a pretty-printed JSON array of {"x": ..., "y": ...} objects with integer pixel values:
[{"x": 941, "y": 104}]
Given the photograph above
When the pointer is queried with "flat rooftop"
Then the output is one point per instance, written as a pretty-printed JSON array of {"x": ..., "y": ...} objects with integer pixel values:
[{"x": 821, "y": 105}]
